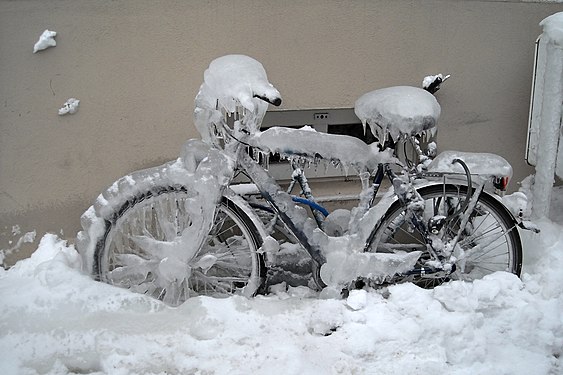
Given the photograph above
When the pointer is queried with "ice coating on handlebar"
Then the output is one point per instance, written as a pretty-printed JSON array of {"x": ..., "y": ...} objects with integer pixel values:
[
  {"x": 232, "y": 84},
  {"x": 398, "y": 110}
]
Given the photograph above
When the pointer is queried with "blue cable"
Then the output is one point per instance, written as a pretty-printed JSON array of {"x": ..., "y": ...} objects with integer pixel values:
[{"x": 311, "y": 204}]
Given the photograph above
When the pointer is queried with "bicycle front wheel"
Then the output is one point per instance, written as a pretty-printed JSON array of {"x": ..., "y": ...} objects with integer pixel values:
[
  {"x": 134, "y": 252},
  {"x": 489, "y": 242}
]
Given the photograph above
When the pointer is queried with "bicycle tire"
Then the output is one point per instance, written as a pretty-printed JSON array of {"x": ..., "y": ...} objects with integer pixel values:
[
  {"x": 491, "y": 223},
  {"x": 232, "y": 263}
]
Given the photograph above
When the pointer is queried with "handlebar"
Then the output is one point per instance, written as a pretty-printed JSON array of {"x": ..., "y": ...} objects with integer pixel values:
[
  {"x": 273, "y": 101},
  {"x": 432, "y": 83}
]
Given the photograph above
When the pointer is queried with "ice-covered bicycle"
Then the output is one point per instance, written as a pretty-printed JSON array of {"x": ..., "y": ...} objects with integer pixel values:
[{"x": 185, "y": 228}]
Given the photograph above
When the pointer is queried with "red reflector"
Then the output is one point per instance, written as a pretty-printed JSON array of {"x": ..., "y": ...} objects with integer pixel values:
[{"x": 501, "y": 183}]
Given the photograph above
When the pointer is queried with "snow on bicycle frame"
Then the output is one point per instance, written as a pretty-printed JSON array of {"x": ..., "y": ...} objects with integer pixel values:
[{"x": 310, "y": 144}]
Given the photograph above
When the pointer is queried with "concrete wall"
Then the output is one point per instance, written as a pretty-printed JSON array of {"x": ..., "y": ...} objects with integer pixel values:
[{"x": 136, "y": 66}]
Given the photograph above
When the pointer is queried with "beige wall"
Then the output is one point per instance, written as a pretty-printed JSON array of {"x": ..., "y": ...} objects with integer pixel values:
[{"x": 136, "y": 66}]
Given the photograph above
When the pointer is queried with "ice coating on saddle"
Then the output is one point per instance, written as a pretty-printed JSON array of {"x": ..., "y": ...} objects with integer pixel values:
[
  {"x": 230, "y": 85},
  {"x": 478, "y": 163},
  {"x": 347, "y": 150},
  {"x": 398, "y": 110}
]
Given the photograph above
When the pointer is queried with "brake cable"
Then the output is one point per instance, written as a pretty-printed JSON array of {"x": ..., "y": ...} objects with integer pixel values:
[{"x": 465, "y": 204}]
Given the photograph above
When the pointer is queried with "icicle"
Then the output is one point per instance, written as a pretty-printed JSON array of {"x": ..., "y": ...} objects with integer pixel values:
[
  {"x": 316, "y": 163},
  {"x": 382, "y": 136},
  {"x": 264, "y": 157},
  {"x": 289, "y": 158},
  {"x": 317, "y": 160},
  {"x": 345, "y": 170}
]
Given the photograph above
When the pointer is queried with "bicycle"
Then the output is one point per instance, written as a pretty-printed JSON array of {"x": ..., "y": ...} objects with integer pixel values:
[{"x": 185, "y": 228}]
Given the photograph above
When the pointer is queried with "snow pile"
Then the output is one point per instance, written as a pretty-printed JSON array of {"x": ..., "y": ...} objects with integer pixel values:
[
  {"x": 70, "y": 107},
  {"x": 398, "y": 110},
  {"x": 56, "y": 320},
  {"x": 46, "y": 40}
]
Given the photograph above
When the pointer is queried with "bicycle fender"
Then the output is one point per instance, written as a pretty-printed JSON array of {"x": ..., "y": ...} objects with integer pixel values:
[{"x": 243, "y": 205}]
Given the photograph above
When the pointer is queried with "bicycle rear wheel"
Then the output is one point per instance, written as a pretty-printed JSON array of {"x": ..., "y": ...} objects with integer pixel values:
[
  {"x": 134, "y": 250},
  {"x": 490, "y": 241}
]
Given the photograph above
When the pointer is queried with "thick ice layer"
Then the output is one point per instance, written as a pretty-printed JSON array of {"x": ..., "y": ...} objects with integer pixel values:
[
  {"x": 203, "y": 171},
  {"x": 478, "y": 163},
  {"x": 303, "y": 142},
  {"x": 234, "y": 80},
  {"x": 399, "y": 110},
  {"x": 341, "y": 267},
  {"x": 230, "y": 85}
]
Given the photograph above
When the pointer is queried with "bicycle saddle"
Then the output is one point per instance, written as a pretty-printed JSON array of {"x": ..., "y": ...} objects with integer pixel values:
[{"x": 398, "y": 110}]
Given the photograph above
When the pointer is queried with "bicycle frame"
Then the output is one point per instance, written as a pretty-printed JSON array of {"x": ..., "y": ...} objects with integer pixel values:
[{"x": 367, "y": 215}]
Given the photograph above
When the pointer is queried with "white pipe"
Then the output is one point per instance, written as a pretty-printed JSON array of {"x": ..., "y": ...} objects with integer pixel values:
[{"x": 550, "y": 124}]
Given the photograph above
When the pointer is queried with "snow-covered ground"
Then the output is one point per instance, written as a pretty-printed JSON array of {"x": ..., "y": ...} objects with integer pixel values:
[{"x": 56, "y": 320}]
